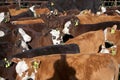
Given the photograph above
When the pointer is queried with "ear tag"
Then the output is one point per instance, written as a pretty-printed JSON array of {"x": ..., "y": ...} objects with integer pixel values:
[
  {"x": 112, "y": 31},
  {"x": 5, "y": 20},
  {"x": 8, "y": 63},
  {"x": 113, "y": 52},
  {"x": 35, "y": 65},
  {"x": 76, "y": 23},
  {"x": 52, "y": 4}
]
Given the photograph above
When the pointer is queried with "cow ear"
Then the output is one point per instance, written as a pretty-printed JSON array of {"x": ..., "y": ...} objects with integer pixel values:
[
  {"x": 16, "y": 60},
  {"x": 114, "y": 27}
]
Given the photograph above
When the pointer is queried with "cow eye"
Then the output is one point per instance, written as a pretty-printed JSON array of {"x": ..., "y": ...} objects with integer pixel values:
[
  {"x": 68, "y": 27},
  {"x": 54, "y": 37}
]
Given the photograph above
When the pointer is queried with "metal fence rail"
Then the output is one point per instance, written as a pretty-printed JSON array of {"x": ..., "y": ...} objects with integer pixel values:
[
  {"x": 111, "y": 3},
  {"x": 23, "y": 3}
]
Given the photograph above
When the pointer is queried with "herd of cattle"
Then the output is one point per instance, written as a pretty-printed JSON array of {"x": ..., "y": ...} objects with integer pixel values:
[{"x": 42, "y": 44}]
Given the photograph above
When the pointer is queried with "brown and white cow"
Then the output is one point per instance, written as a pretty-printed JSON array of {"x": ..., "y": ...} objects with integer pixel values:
[
  {"x": 68, "y": 67},
  {"x": 93, "y": 19},
  {"x": 74, "y": 28},
  {"x": 91, "y": 41},
  {"x": 8, "y": 71},
  {"x": 28, "y": 21}
]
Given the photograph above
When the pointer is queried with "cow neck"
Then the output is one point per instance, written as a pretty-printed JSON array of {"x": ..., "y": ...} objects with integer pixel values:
[
  {"x": 34, "y": 13},
  {"x": 105, "y": 34},
  {"x": 105, "y": 38}
]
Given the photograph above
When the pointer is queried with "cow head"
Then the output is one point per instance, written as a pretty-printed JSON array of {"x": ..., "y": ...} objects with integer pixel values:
[
  {"x": 74, "y": 21},
  {"x": 2, "y": 33},
  {"x": 25, "y": 36},
  {"x": 2, "y": 16},
  {"x": 21, "y": 38},
  {"x": 33, "y": 10},
  {"x": 68, "y": 28},
  {"x": 26, "y": 69},
  {"x": 112, "y": 35},
  {"x": 56, "y": 37}
]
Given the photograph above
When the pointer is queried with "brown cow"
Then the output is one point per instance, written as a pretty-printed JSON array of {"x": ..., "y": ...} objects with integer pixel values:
[
  {"x": 91, "y": 41},
  {"x": 88, "y": 42},
  {"x": 8, "y": 73},
  {"x": 28, "y": 21},
  {"x": 68, "y": 67},
  {"x": 74, "y": 28},
  {"x": 114, "y": 51},
  {"x": 14, "y": 12},
  {"x": 93, "y": 19}
]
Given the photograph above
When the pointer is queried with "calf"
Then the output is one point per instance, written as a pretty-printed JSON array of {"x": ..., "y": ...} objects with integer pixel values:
[
  {"x": 90, "y": 41},
  {"x": 8, "y": 72},
  {"x": 40, "y": 33},
  {"x": 74, "y": 28},
  {"x": 12, "y": 42},
  {"x": 14, "y": 12},
  {"x": 93, "y": 19},
  {"x": 67, "y": 67},
  {"x": 28, "y": 21},
  {"x": 29, "y": 13}
]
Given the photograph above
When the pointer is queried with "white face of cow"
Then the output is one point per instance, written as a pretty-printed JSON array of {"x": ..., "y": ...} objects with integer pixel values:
[
  {"x": 66, "y": 27},
  {"x": 24, "y": 45},
  {"x": 2, "y": 33},
  {"x": 32, "y": 8},
  {"x": 25, "y": 36},
  {"x": 22, "y": 71},
  {"x": 55, "y": 35},
  {"x": 2, "y": 16},
  {"x": 21, "y": 67},
  {"x": 103, "y": 9}
]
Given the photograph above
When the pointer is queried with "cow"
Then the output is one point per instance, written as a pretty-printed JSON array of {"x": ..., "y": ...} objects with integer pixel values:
[
  {"x": 14, "y": 12},
  {"x": 12, "y": 42},
  {"x": 88, "y": 42},
  {"x": 93, "y": 19},
  {"x": 109, "y": 11},
  {"x": 29, "y": 13},
  {"x": 113, "y": 50},
  {"x": 40, "y": 33},
  {"x": 2, "y": 16},
  {"x": 8, "y": 71},
  {"x": 67, "y": 67},
  {"x": 5, "y": 8},
  {"x": 109, "y": 35},
  {"x": 74, "y": 28},
  {"x": 38, "y": 11},
  {"x": 75, "y": 4},
  {"x": 28, "y": 21}
]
